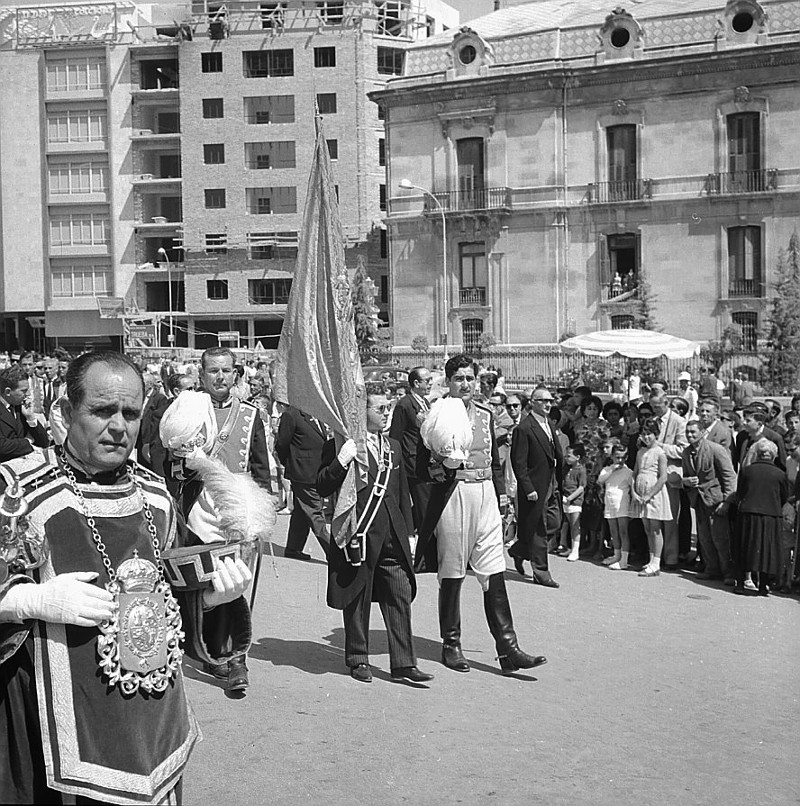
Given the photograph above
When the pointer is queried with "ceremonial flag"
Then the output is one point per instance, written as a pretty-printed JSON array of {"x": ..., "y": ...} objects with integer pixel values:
[{"x": 318, "y": 368}]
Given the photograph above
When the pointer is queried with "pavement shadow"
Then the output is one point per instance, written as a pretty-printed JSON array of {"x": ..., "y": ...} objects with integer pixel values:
[
  {"x": 308, "y": 656},
  {"x": 193, "y": 671}
]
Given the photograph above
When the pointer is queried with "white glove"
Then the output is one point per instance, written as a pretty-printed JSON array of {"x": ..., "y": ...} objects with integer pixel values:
[
  {"x": 65, "y": 599},
  {"x": 230, "y": 581},
  {"x": 347, "y": 453}
]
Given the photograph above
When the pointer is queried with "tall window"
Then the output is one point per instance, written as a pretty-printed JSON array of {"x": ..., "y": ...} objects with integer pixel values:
[
  {"x": 623, "y": 260},
  {"x": 381, "y": 151},
  {"x": 213, "y": 108},
  {"x": 76, "y": 73},
  {"x": 473, "y": 273},
  {"x": 269, "y": 109},
  {"x": 211, "y": 62},
  {"x": 78, "y": 177},
  {"x": 744, "y": 262},
  {"x": 382, "y": 196},
  {"x": 333, "y": 149},
  {"x": 390, "y": 61},
  {"x": 268, "y": 63},
  {"x": 326, "y": 101},
  {"x": 269, "y": 292},
  {"x": 76, "y": 126},
  {"x": 744, "y": 152},
  {"x": 472, "y": 329},
  {"x": 471, "y": 178},
  {"x": 80, "y": 281},
  {"x": 622, "y": 178},
  {"x": 748, "y": 322},
  {"x": 325, "y": 57}
]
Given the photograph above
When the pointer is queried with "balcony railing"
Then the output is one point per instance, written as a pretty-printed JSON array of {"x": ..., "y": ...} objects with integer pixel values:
[
  {"x": 760, "y": 181},
  {"x": 620, "y": 287},
  {"x": 464, "y": 200},
  {"x": 622, "y": 190},
  {"x": 472, "y": 296},
  {"x": 745, "y": 288}
]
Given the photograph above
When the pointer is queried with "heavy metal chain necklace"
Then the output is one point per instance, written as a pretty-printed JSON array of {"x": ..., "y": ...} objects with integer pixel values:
[{"x": 140, "y": 646}]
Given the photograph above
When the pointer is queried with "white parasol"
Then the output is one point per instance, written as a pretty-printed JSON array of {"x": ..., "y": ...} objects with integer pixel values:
[{"x": 632, "y": 343}]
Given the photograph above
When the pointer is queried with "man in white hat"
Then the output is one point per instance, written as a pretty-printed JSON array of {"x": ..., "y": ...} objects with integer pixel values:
[{"x": 688, "y": 393}]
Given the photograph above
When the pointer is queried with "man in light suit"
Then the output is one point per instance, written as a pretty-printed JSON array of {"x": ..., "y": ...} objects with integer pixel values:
[
  {"x": 408, "y": 415},
  {"x": 536, "y": 459},
  {"x": 18, "y": 424},
  {"x": 298, "y": 446},
  {"x": 385, "y": 572},
  {"x": 672, "y": 440},
  {"x": 710, "y": 481}
]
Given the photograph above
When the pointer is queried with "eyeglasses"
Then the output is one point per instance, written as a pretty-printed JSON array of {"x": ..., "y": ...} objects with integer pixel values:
[
  {"x": 548, "y": 401},
  {"x": 512, "y": 405},
  {"x": 380, "y": 409}
]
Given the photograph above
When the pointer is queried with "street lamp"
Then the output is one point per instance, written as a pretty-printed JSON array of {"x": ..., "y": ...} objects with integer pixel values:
[
  {"x": 406, "y": 184},
  {"x": 171, "y": 337}
]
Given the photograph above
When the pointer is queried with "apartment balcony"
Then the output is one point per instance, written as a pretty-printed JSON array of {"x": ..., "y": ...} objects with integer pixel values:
[
  {"x": 148, "y": 183},
  {"x": 746, "y": 288},
  {"x": 470, "y": 297},
  {"x": 158, "y": 225},
  {"x": 463, "y": 201},
  {"x": 763, "y": 180},
  {"x": 148, "y": 137},
  {"x": 623, "y": 190}
]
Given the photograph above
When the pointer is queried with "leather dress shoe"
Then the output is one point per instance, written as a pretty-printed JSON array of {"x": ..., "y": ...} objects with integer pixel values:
[
  {"x": 516, "y": 659},
  {"x": 410, "y": 673},
  {"x": 237, "y": 675},
  {"x": 361, "y": 672},
  {"x": 218, "y": 670},
  {"x": 296, "y": 555},
  {"x": 547, "y": 581},
  {"x": 519, "y": 565},
  {"x": 453, "y": 658}
]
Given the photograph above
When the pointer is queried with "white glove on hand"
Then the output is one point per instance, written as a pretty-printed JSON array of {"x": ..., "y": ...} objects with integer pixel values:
[
  {"x": 347, "y": 453},
  {"x": 230, "y": 581},
  {"x": 65, "y": 599}
]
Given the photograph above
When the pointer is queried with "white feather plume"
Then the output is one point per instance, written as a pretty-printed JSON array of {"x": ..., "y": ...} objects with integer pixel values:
[{"x": 447, "y": 430}]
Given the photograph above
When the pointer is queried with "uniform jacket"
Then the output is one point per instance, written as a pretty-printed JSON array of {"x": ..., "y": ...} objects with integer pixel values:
[
  {"x": 14, "y": 432},
  {"x": 405, "y": 429},
  {"x": 535, "y": 460},
  {"x": 712, "y": 465},
  {"x": 484, "y": 449},
  {"x": 346, "y": 581},
  {"x": 299, "y": 446}
]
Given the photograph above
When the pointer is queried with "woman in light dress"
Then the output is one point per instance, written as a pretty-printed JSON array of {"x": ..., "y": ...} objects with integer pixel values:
[{"x": 650, "y": 497}]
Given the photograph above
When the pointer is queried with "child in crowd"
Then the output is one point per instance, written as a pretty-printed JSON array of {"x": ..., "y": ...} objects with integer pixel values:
[
  {"x": 573, "y": 486},
  {"x": 616, "y": 480}
]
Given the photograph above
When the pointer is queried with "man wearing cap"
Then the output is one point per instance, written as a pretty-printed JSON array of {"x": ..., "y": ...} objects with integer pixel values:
[{"x": 688, "y": 393}]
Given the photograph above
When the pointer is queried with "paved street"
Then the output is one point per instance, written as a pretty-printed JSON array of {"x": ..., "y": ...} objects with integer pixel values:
[{"x": 657, "y": 691}]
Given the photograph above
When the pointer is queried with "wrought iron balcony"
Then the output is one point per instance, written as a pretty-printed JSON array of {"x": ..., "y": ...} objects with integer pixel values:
[
  {"x": 746, "y": 288},
  {"x": 760, "y": 181},
  {"x": 472, "y": 296},
  {"x": 620, "y": 288},
  {"x": 622, "y": 190},
  {"x": 466, "y": 200}
]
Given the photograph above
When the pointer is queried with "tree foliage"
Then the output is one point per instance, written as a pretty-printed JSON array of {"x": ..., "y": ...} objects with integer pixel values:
[
  {"x": 420, "y": 343},
  {"x": 644, "y": 316},
  {"x": 365, "y": 311},
  {"x": 783, "y": 332}
]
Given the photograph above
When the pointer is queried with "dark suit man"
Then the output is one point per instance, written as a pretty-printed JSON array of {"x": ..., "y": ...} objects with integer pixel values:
[
  {"x": 299, "y": 449},
  {"x": 385, "y": 574},
  {"x": 408, "y": 415},
  {"x": 754, "y": 429},
  {"x": 17, "y": 422},
  {"x": 710, "y": 482},
  {"x": 536, "y": 459}
]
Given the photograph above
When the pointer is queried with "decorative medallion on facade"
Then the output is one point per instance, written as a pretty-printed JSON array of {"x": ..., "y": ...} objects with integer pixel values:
[
  {"x": 744, "y": 23},
  {"x": 619, "y": 107},
  {"x": 621, "y": 36},
  {"x": 469, "y": 55}
]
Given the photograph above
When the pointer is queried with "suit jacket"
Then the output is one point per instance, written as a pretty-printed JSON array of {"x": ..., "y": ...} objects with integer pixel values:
[
  {"x": 712, "y": 465},
  {"x": 14, "y": 432},
  {"x": 672, "y": 438},
  {"x": 537, "y": 464},
  {"x": 743, "y": 443},
  {"x": 405, "y": 429},
  {"x": 150, "y": 433},
  {"x": 145, "y": 430},
  {"x": 346, "y": 581},
  {"x": 721, "y": 435},
  {"x": 299, "y": 446}
]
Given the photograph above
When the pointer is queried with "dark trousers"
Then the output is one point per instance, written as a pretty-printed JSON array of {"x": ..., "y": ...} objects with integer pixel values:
[
  {"x": 391, "y": 588},
  {"x": 306, "y": 515},
  {"x": 420, "y": 496},
  {"x": 685, "y": 525},
  {"x": 713, "y": 540},
  {"x": 533, "y": 547}
]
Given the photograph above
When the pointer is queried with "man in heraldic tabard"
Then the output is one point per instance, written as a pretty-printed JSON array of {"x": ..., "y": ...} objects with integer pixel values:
[{"x": 91, "y": 632}]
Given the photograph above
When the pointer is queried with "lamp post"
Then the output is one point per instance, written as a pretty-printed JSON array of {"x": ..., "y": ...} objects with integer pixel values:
[
  {"x": 171, "y": 336},
  {"x": 406, "y": 184}
]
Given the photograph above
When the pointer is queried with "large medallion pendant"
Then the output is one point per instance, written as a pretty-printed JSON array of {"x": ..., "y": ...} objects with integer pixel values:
[{"x": 140, "y": 647}]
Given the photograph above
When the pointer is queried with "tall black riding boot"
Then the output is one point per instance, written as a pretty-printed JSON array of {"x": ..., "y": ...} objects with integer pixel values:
[
  {"x": 501, "y": 625},
  {"x": 450, "y": 624}
]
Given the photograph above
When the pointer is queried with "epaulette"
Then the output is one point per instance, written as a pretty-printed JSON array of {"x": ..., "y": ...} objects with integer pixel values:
[{"x": 483, "y": 406}]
